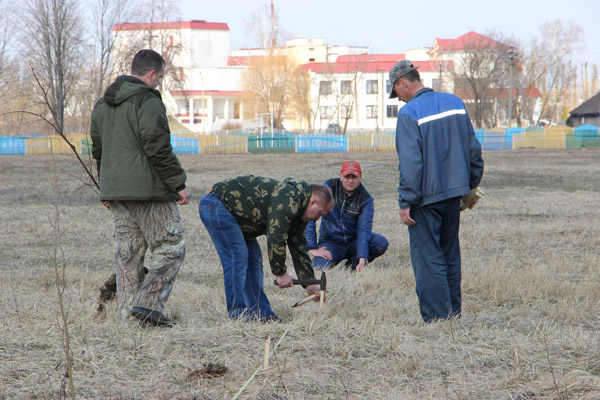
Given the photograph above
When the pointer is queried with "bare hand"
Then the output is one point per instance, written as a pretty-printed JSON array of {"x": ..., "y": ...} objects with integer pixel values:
[
  {"x": 405, "y": 216},
  {"x": 362, "y": 264},
  {"x": 321, "y": 252},
  {"x": 314, "y": 289},
  {"x": 284, "y": 281},
  {"x": 184, "y": 196},
  {"x": 105, "y": 204}
]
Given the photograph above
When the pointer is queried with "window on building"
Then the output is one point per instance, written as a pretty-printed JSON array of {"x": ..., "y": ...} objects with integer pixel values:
[
  {"x": 325, "y": 88},
  {"x": 371, "y": 111},
  {"x": 372, "y": 87},
  {"x": 388, "y": 86},
  {"x": 182, "y": 106},
  {"x": 311, "y": 59},
  {"x": 345, "y": 112},
  {"x": 346, "y": 87},
  {"x": 326, "y": 112},
  {"x": 392, "y": 111}
]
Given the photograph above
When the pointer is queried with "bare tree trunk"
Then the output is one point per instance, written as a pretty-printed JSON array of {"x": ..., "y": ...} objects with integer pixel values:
[
  {"x": 107, "y": 13},
  {"x": 55, "y": 32}
]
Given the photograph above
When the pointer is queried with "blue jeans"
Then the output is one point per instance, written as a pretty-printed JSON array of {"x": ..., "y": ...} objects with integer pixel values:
[
  {"x": 378, "y": 245},
  {"x": 435, "y": 256},
  {"x": 241, "y": 260}
]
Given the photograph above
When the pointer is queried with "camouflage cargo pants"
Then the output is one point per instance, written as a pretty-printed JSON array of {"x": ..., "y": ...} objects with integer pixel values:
[{"x": 139, "y": 226}]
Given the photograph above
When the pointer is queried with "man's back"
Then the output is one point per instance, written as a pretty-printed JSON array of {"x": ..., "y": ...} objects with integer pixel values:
[
  {"x": 131, "y": 141},
  {"x": 437, "y": 149},
  {"x": 256, "y": 202}
]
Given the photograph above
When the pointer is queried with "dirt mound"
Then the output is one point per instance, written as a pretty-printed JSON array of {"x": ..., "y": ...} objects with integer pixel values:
[
  {"x": 108, "y": 292},
  {"x": 210, "y": 370}
]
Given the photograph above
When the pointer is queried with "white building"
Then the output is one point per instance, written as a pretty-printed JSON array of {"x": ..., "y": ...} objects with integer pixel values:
[
  {"x": 205, "y": 93},
  {"x": 349, "y": 88},
  {"x": 302, "y": 51},
  {"x": 353, "y": 92}
]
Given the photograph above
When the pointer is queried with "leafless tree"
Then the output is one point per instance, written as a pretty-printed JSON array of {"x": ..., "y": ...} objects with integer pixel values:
[
  {"x": 264, "y": 29},
  {"x": 342, "y": 82},
  {"x": 8, "y": 64},
  {"x": 267, "y": 78},
  {"x": 550, "y": 66},
  {"x": 273, "y": 80},
  {"x": 105, "y": 15},
  {"x": 54, "y": 30},
  {"x": 478, "y": 74},
  {"x": 97, "y": 74},
  {"x": 158, "y": 18},
  {"x": 6, "y": 32},
  {"x": 300, "y": 99}
]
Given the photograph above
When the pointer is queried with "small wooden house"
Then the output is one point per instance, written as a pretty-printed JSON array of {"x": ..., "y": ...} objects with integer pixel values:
[{"x": 588, "y": 113}]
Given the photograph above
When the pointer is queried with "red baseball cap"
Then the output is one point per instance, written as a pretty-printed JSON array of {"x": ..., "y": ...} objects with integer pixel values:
[{"x": 351, "y": 167}]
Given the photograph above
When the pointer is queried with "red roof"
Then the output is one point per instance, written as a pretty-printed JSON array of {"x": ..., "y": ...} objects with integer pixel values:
[
  {"x": 370, "y": 57},
  {"x": 233, "y": 61},
  {"x": 468, "y": 41},
  {"x": 237, "y": 60},
  {"x": 371, "y": 66},
  {"x": 193, "y": 24}
]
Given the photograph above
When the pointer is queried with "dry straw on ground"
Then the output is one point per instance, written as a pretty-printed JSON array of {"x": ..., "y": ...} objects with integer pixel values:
[{"x": 530, "y": 328}]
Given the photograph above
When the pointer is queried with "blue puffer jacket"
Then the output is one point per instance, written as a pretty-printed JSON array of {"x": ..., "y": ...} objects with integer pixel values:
[
  {"x": 350, "y": 219},
  {"x": 439, "y": 156}
]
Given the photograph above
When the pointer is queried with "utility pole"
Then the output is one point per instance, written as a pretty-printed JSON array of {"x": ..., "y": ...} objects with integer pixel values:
[
  {"x": 273, "y": 43},
  {"x": 512, "y": 57},
  {"x": 383, "y": 107},
  {"x": 440, "y": 63}
]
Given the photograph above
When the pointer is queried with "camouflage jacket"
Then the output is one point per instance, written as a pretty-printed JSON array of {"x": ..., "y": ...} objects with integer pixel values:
[{"x": 265, "y": 206}]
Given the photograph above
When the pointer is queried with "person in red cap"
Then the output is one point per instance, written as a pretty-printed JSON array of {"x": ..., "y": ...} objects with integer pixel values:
[{"x": 346, "y": 232}]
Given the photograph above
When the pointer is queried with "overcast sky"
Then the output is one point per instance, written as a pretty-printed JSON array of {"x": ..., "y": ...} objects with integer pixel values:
[{"x": 388, "y": 26}]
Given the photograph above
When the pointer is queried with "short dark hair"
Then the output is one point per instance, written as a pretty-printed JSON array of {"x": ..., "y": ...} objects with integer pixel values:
[
  {"x": 412, "y": 76},
  {"x": 147, "y": 60},
  {"x": 322, "y": 192}
]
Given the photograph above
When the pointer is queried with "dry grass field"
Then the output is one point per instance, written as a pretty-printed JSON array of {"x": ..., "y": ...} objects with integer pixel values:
[{"x": 531, "y": 288}]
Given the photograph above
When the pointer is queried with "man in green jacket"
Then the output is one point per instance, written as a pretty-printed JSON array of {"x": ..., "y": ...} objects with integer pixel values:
[
  {"x": 141, "y": 182},
  {"x": 236, "y": 211}
]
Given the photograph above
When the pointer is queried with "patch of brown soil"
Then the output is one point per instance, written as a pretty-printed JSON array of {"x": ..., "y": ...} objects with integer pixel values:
[
  {"x": 210, "y": 370},
  {"x": 107, "y": 292}
]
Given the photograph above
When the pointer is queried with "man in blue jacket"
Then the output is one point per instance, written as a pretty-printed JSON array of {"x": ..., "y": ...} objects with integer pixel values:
[
  {"x": 439, "y": 162},
  {"x": 346, "y": 231}
]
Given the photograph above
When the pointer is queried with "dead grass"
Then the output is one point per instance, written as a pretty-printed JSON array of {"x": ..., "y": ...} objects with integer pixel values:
[{"x": 530, "y": 328}]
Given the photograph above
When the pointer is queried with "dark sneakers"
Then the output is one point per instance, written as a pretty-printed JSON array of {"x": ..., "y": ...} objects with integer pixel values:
[
  {"x": 272, "y": 318},
  {"x": 152, "y": 317}
]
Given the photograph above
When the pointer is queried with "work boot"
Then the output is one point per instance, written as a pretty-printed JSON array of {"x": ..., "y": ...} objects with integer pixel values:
[
  {"x": 152, "y": 317},
  {"x": 271, "y": 318}
]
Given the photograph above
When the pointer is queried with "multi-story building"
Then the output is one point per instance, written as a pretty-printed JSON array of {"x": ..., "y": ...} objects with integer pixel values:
[
  {"x": 201, "y": 91},
  {"x": 348, "y": 88},
  {"x": 352, "y": 93}
]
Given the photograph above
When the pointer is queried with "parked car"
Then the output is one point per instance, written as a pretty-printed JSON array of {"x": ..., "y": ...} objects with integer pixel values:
[
  {"x": 543, "y": 123},
  {"x": 333, "y": 128}
]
